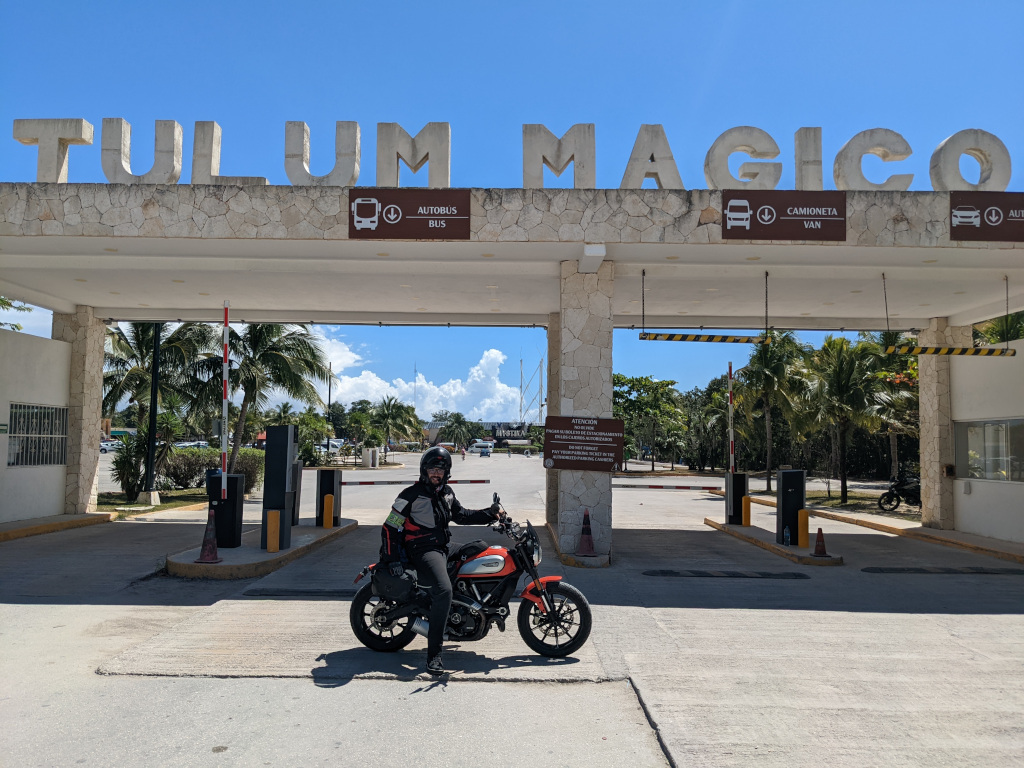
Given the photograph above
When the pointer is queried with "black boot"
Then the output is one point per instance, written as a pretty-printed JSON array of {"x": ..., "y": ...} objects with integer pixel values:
[{"x": 435, "y": 666}]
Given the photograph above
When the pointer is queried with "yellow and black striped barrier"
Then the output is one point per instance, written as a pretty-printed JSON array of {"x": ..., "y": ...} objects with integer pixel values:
[
  {"x": 970, "y": 351},
  {"x": 702, "y": 337}
]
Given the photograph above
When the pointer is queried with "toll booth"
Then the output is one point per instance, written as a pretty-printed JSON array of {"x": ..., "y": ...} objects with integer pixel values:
[
  {"x": 227, "y": 513},
  {"x": 282, "y": 481},
  {"x": 328, "y": 482},
  {"x": 736, "y": 487},
  {"x": 790, "y": 498}
]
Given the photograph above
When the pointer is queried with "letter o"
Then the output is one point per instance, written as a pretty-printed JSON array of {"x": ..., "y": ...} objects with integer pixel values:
[{"x": 987, "y": 149}]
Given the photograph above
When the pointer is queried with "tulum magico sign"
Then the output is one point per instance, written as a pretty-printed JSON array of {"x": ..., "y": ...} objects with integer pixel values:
[{"x": 651, "y": 156}]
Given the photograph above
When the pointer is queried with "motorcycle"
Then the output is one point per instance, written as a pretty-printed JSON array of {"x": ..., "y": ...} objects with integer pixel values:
[
  {"x": 554, "y": 617},
  {"x": 907, "y": 488}
]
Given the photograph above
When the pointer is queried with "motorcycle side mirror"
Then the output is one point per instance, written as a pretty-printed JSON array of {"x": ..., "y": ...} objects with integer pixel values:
[{"x": 496, "y": 499}]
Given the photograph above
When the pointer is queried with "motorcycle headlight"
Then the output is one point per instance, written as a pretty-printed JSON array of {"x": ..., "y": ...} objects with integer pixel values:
[{"x": 537, "y": 553}]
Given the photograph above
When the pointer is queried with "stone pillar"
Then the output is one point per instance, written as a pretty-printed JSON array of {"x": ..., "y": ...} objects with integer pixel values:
[
  {"x": 936, "y": 422},
  {"x": 85, "y": 333},
  {"x": 585, "y": 375},
  {"x": 554, "y": 395}
]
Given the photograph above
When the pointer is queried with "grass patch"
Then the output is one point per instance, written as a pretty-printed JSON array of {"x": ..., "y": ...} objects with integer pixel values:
[{"x": 108, "y": 502}]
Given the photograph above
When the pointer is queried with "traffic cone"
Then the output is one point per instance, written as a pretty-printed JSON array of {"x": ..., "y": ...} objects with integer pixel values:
[
  {"x": 819, "y": 546},
  {"x": 208, "y": 554},
  {"x": 586, "y": 547}
]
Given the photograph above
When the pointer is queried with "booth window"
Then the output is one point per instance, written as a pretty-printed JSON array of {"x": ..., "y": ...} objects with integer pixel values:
[
  {"x": 990, "y": 450},
  {"x": 37, "y": 435}
]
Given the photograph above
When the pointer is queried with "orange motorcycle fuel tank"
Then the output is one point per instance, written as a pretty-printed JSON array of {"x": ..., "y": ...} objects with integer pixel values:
[{"x": 493, "y": 562}]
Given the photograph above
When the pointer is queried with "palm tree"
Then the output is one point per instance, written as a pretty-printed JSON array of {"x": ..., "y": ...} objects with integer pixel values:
[
  {"x": 393, "y": 417},
  {"x": 896, "y": 397},
  {"x": 282, "y": 415},
  {"x": 266, "y": 357},
  {"x": 456, "y": 430},
  {"x": 1001, "y": 329},
  {"x": 842, "y": 391},
  {"x": 128, "y": 363},
  {"x": 768, "y": 375}
]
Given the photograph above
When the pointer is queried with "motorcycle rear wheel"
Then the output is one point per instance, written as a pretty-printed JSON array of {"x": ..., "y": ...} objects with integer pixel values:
[
  {"x": 889, "y": 501},
  {"x": 360, "y": 616},
  {"x": 567, "y": 632}
]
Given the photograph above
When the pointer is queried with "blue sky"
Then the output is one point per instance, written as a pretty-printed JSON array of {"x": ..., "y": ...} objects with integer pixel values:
[{"x": 924, "y": 69}]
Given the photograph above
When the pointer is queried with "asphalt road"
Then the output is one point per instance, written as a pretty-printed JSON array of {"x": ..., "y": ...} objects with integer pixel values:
[{"x": 103, "y": 666}]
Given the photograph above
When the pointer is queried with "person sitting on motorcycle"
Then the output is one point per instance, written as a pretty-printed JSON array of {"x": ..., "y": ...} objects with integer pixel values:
[{"x": 416, "y": 532}]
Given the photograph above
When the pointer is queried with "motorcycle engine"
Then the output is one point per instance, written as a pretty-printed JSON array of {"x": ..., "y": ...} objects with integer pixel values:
[{"x": 465, "y": 621}]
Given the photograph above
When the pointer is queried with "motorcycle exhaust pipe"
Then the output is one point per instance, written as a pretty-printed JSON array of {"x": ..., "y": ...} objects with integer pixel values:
[{"x": 421, "y": 626}]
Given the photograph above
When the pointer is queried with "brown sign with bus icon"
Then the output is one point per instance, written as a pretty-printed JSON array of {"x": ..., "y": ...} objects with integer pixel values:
[{"x": 408, "y": 214}]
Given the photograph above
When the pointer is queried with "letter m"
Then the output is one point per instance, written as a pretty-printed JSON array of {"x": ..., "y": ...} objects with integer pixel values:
[
  {"x": 431, "y": 145},
  {"x": 541, "y": 147}
]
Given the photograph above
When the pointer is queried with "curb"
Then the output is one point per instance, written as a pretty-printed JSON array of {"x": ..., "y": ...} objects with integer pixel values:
[
  {"x": 921, "y": 535},
  {"x": 575, "y": 561},
  {"x": 775, "y": 549},
  {"x": 180, "y": 563},
  {"x": 73, "y": 521}
]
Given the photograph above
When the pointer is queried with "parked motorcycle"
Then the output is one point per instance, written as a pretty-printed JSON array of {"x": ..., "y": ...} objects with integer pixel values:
[
  {"x": 553, "y": 619},
  {"x": 905, "y": 489}
]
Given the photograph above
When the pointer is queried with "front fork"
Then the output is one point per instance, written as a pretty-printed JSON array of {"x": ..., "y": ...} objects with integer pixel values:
[{"x": 543, "y": 599}]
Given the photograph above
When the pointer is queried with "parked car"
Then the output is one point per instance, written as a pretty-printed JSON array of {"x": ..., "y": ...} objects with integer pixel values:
[
  {"x": 485, "y": 452},
  {"x": 481, "y": 446},
  {"x": 109, "y": 445}
]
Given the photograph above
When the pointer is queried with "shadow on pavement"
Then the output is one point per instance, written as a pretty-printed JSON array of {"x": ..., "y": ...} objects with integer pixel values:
[{"x": 341, "y": 667}]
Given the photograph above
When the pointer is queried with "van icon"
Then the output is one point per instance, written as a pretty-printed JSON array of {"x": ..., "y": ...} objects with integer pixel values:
[
  {"x": 365, "y": 213},
  {"x": 737, "y": 214}
]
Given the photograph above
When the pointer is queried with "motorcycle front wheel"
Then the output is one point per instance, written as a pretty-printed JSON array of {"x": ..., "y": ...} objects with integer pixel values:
[
  {"x": 365, "y": 606},
  {"x": 561, "y": 634},
  {"x": 889, "y": 501}
]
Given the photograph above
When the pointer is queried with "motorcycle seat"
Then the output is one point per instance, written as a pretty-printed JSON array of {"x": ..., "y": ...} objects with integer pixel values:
[{"x": 469, "y": 550}]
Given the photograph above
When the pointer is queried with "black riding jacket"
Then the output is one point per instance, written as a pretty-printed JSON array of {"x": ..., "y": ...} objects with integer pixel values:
[{"x": 419, "y": 521}]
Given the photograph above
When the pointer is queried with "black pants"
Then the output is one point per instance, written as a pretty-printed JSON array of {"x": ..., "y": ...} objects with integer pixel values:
[{"x": 432, "y": 574}]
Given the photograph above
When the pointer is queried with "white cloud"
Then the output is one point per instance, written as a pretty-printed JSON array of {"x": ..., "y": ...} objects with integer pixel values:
[{"x": 481, "y": 396}]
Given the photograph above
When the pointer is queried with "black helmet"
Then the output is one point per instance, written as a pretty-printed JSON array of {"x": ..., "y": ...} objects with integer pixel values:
[{"x": 436, "y": 457}]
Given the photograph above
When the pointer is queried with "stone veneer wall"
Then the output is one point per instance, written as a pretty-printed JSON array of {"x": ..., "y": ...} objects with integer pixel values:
[
  {"x": 937, "y": 422},
  {"x": 553, "y": 409},
  {"x": 515, "y": 215},
  {"x": 586, "y": 390},
  {"x": 85, "y": 333}
]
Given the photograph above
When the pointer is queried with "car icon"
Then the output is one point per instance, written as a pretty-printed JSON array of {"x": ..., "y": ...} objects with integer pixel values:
[
  {"x": 366, "y": 213},
  {"x": 965, "y": 216},
  {"x": 737, "y": 214}
]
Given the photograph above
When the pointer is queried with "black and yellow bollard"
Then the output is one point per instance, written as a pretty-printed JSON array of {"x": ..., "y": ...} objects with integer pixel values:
[
  {"x": 273, "y": 530},
  {"x": 803, "y": 529}
]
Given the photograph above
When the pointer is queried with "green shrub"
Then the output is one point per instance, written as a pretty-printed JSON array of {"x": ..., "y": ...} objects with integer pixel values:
[
  {"x": 251, "y": 463},
  {"x": 127, "y": 468},
  {"x": 187, "y": 467}
]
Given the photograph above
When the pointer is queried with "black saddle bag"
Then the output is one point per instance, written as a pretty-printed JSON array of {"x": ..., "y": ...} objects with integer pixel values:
[{"x": 388, "y": 587}]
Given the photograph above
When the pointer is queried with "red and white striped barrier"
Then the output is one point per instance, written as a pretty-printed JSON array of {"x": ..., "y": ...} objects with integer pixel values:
[
  {"x": 674, "y": 487},
  {"x": 407, "y": 482}
]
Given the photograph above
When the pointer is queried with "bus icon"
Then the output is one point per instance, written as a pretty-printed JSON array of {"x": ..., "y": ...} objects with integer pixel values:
[{"x": 365, "y": 213}]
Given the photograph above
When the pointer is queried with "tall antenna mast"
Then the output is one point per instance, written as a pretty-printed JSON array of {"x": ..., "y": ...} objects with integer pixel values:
[{"x": 520, "y": 388}]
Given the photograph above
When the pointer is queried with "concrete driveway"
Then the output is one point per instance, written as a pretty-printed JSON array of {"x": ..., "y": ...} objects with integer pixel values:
[{"x": 798, "y": 666}]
